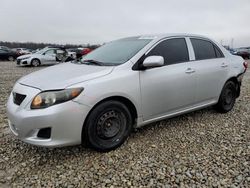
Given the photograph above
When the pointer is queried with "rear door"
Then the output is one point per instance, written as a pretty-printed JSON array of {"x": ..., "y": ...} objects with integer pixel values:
[
  {"x": 170, "y": 88},
  {"x": 211, "y": 70},
  {"x": 60, "y": 55},
  {"x": 49, "y": 56}
]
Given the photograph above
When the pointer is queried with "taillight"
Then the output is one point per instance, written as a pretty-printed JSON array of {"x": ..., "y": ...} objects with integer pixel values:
[{"x": 245, "y": 65}]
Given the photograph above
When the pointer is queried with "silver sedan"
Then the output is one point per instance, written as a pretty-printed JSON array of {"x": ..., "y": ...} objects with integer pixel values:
[{"x": 122, "y": 85}]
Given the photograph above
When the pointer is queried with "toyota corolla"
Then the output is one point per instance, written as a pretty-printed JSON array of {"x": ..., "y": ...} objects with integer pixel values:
[{"x": 123, "y": 85}]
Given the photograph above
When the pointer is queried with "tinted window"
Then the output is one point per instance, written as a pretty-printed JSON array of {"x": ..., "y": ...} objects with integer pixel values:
[
  {"x": 50, "y": 52},
  {"x": 218, "y": 52},
  {"x": 172, "y": 50},
  {"x": 203, "y": 49},
  {"x": 59, "y": 51}
]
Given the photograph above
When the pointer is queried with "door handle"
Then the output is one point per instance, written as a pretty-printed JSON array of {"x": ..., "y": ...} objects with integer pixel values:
[
  {"x": 189, "y": 71},
  {"x": 223, "y": 65}
]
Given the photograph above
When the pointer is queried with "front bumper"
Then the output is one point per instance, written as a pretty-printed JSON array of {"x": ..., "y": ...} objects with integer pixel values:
[
  {"x": 23, "y": 62},
  {"x": 65, "y": 120}
]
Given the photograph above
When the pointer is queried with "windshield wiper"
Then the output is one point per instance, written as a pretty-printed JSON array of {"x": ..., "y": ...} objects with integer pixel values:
[{"x": 93, "y": 62}]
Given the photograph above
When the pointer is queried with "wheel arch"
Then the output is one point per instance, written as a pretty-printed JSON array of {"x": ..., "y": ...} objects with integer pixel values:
[
  {"x": 35, "y": 58},
  {"x": 128, "y": 103}
]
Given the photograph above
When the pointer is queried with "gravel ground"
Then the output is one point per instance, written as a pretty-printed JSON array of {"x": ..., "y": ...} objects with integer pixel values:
[{"x": 200, "y": 149}]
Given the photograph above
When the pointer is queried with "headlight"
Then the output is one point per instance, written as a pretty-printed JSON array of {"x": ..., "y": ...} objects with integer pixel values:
[{"x": 49, "y": 98}]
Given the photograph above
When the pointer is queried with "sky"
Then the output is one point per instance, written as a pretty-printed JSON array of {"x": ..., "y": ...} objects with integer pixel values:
[{"x": 100, "y": 21}]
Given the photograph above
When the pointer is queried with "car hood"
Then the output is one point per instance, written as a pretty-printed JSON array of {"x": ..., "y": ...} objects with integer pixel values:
[
  {"x": 24, "y": 56},
  {"x": 64, "y": 75}
]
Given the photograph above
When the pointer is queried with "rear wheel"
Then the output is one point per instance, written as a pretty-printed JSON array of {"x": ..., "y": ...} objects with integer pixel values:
[
  {"x": 35, "y": 62},
  {"x": 107, "y": 126},
  {"x": 227, "y": 97}
]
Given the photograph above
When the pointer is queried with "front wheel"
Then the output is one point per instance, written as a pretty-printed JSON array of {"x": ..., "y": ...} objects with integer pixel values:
[
  {"x": 11, "y": 58},
  {"x": 227, "y": 98},
  {"x": 107, "y": 126},
  {"x": 35, "y": 62}
]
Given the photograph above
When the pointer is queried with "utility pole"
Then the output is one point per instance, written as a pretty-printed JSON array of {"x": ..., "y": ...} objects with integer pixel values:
[{"x": 232, "y": 43}]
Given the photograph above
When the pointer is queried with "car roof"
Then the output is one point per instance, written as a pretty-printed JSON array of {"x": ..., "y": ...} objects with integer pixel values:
[
  {"x": 160, "y": 36},
  {"x": 56, "y": 47}
]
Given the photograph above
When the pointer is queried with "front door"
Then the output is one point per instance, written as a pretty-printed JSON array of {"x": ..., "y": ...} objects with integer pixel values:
[{"x": 171, "y": 88}]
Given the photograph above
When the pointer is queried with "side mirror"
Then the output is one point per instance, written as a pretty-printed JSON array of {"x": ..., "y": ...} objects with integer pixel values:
[{"x": 153, "y": 61}]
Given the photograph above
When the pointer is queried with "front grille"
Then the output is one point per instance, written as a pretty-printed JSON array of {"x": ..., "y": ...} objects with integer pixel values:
[{"x": 18, "y": 98}]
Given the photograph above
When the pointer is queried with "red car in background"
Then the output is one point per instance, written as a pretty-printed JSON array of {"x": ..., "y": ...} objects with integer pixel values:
[{"x": 86, "y": 51}]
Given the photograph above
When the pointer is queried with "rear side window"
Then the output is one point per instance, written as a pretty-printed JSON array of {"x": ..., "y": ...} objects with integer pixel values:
[
  {"x": 50, "y": 52},
  {"x": 204, "y": 49},
  {"x": 172, "y": 50},
  {"x": 59, "y": 51},
  {"x": 218, "y": 52}
]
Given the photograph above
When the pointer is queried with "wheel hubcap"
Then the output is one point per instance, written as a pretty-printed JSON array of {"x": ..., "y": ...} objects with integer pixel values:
[
  {"x": 35, "y": 63},
  {"x": 109, "y": 125}
]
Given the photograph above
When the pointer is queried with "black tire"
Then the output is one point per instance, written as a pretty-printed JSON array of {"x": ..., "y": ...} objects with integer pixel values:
[
  {"x": 227, "y": 98},
  {"x": 35, "y": 62},
  {"x": 107, "y": 126},
  {"x": 11, "y": 58}
]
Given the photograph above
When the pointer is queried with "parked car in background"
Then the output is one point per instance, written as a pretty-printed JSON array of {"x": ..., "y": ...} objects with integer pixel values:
[
  {"x": 22, "y": 51},
  {"x": 46, "y": 56},
  {"x": 7, "y": 54},
  {"x": 243, "y": 52},
  {"x": 232, "y": 51},
  {"x": 123, "y": 84},
  {"x": 72, "y": 54},
  {"x": 85, "y": 51},
  {"x": 36, "y": 50},
  {"x": 80, "y": 51},
  {"x": 4, "y": 48}
]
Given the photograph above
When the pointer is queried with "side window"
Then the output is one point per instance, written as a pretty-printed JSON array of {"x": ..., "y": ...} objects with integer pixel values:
[
  {"x": 203, "y": 49},
  {"x": 172, "y": 50},
  {"x": 218, "y": 53},
  {"x": 60, "y": 51},
  {"x": 50, "y": 52}
]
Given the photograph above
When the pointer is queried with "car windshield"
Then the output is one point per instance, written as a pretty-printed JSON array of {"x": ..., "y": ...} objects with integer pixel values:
[
  {"x": 115, "y": 52},
  {"x": 43, "y": 50}
]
